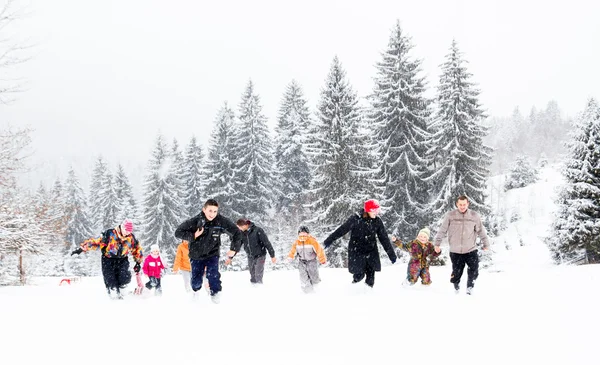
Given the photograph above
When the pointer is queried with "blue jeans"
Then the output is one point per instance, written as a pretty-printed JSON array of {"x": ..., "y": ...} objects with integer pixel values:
[{"x": 211, "y": 265}]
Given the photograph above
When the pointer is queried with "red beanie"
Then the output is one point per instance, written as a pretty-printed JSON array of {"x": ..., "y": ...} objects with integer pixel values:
[{"x": 371, "y": 206}]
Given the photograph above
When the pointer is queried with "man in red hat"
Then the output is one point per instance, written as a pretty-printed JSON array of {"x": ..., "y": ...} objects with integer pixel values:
[{"x": 363, "y": 256}]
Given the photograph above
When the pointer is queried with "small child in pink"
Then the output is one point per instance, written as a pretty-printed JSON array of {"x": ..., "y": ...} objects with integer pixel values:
[{"x": 153, "y": 268}]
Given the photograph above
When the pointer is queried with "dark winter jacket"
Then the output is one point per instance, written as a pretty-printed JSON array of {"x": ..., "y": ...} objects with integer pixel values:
[
  {"x": 209, "y": 243},
  {"x": 362, "y": 248},
  {"x": 256, "y": 243}
]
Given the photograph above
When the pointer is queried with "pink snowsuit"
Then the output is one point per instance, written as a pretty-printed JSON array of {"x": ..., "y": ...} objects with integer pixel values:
[{"x": 153, "y": 266}]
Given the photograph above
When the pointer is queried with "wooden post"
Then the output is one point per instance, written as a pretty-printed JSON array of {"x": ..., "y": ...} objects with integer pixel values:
[{"x": 21, "y": 269}]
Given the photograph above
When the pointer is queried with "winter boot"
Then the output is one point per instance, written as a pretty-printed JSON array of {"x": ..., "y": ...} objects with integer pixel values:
[
  {"x": 456, "y": 287},
  {"x": 469, "y": 290},
  {"x": 216, "y": 298}
]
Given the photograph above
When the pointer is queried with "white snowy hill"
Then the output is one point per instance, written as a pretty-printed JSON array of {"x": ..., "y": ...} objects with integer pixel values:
[{"x": 524, "y": 309}]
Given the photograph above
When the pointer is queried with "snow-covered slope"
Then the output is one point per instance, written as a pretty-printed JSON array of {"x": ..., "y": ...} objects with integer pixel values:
[{"x": 524, "y": 309}]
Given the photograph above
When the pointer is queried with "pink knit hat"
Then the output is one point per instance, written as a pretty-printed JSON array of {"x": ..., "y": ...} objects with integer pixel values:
[{"x": 128, "y": 225}]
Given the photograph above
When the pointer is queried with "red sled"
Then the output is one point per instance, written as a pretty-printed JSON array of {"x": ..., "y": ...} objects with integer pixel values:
[{"x": 140, "y": 287}]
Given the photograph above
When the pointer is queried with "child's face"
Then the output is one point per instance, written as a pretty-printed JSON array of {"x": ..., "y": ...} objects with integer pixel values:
[
  {"x": 302, "y": 236},
  {"x": 155, "y": 252},
  {"x": 422, "y": 237}
]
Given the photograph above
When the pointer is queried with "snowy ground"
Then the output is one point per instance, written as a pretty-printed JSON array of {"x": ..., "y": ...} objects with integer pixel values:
[{"x": 524, "y": 309}]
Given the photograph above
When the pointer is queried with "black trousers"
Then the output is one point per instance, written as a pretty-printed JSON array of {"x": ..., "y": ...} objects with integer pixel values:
[
  {"x": 459, "y": 260},
  {"x": 369, "y": 272},
  {"x": 116, "y": 272}
]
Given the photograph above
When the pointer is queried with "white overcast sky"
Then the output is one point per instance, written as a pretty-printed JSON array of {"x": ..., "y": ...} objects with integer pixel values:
[{"x": 106, "y": 76}]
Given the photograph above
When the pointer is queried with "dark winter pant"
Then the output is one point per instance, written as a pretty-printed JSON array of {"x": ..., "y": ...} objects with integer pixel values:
[
  {"x": 116, "y": 272},
  {"x": 153, "y": 283},
  {"x": 370, "y": 272},
  {"x": 213, "y": 276},
  {"x": 459, "y": 260},
  {"x": 256, "y": 266},
  {"x": 309, "y": 274}
]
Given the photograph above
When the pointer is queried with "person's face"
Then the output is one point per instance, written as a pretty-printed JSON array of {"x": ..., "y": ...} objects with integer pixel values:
[
  {"x": 155, "y": 252},
  {"x": 462, "y": 205},
  {"x": 244, "y": 227},
  {"x": 210, "y": 212},
  {"x": 373, "y": 214},
  {"x": 302, "y": 234},
  {"x": 422, "y": 237}
]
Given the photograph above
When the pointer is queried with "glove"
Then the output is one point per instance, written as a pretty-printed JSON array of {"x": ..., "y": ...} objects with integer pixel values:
[
  {"x": 137, "y": 267},
  {"x": 77, "y": 251},
  {"x": 326, "y": 244},
  {"x": 393, "y": 259}
]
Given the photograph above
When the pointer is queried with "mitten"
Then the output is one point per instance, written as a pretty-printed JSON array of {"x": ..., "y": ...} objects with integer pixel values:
[
  {"x": 137, "y": 267},
  {"x": 77, "y": 251}
]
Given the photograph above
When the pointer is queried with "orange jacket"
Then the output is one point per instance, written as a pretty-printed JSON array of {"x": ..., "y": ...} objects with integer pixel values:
[
  {"x": 308, "y": 249},
  {"x": 182, "y": 258}
]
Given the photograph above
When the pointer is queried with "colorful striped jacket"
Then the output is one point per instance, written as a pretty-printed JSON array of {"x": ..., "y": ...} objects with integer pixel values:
[{"x": 113, "y": 244}]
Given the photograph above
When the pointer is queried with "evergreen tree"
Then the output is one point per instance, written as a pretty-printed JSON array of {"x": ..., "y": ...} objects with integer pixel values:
[
  {"x": 96, "y": 209},
  {"x": 193, "y": 178},
  {"x": 576, "y": 229},
  {"x": 335, "y": 188},
  {"x": 125, "y": 201},
  {"x": 253, "y": 182},
  {"x": 400, "y": 113},
  {"x": 161, "y": 203},
  {"x": 220, "y": 161},
  {"x": 292, "y": 168},
  {"x": 521, "y": 174},
  {"x": 108, "y": 202},
  {"x": 461, "y": 159},
  {"x": 78, "y": 225}
]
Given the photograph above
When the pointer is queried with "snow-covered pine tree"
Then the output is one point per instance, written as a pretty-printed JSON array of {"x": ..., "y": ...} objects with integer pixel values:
[
  {"x": 125, "y": 201},
  {"x": 399, "y": 114},
  {"x": 336, "y": 158},
  {"x": 576, "y": 228},
  {"x": 108, "y": 202},
  {"x": 521, "y": 174},
  {"x": 78, "y": 226},
  {"x": 96, "y": 209},
  {"x": 161, "y": 204},
  {"x": 193, "y": 178},
  {"x": 292, "y": 168},
  {"x": 219, "y": 172},
  {"x": 460, "y": 159},
  {"x": 253, "y": 182}
]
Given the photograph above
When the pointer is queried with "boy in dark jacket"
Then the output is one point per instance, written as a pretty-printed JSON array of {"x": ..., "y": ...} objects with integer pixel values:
[
  {"x": 256, "y": 244},
  {"x": 203, "y": 232},
  {"x": 363, "y": 256}
]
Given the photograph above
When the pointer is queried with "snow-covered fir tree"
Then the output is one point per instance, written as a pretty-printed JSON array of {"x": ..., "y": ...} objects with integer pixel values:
[
  {"x": 576, "y": 229},
  {"x": 108, "y": 202},
  {"x": 292, "y": 167},
  {"x": 399, "y": 115},
  {"x": 78, "y": 226},
  {"x": 161, "y": 204},
  {"x": 125, "y": 201},
  {"x": 460, "y": 158},
  {"x": 253, "y": 181},
  {"x": 193, "y": 173},
  {"x": 96, "y": 208},
  {"x": 219, "y": 172},
  {"x": 521, "y": 174}
]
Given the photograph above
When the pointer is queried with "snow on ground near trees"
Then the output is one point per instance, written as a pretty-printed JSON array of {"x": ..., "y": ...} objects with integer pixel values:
[{"x": 524, "y": 309}]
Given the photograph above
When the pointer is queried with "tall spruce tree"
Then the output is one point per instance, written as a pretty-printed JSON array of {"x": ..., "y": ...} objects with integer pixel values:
[
  {"x": 96, "y": 208},
  {"x": 292, "y": 168},
  {"x": 108, "y": 202},
  {"x": 335, "y": 186},
  {"x": 400, "y": 114},
  {"x": 220, "y": 169},
  {"x": 193, "y": 178},
  {"x": 254, "y": 164},
  {"x": 460, "y": 159},
  {"x": 576, "y": 229},
  {"x": 78, "y": 224},
  {"x": 125, "y": 200},
  {"x": 161, "y": 204}
]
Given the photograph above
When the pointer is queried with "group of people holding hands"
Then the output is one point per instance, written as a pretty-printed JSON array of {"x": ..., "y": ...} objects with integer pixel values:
[{"x": 197, "y": 256}]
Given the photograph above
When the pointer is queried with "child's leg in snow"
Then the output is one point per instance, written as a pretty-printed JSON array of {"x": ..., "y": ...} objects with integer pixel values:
[
  {"x": 313, "y": 271},
  {"x": 425, "y": 276},
  {"x": 304, "y": 277},
  {"x": 412, "y": 272}
]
